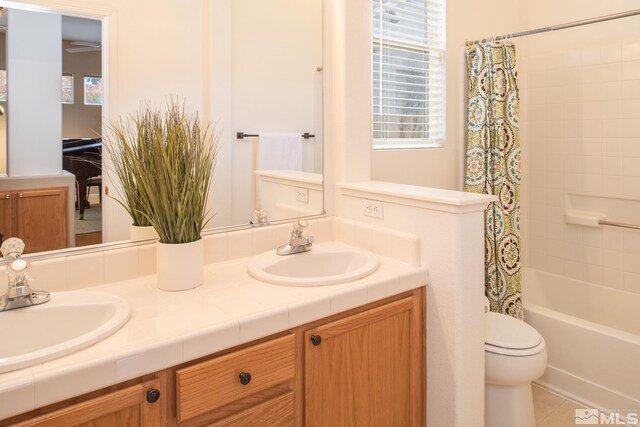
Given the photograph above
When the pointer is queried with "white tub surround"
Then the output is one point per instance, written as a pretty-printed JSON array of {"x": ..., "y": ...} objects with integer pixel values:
[
  {"x": 450, "y": 229},
  {"x": 593, "y": 338},
  {"x": 167, "y": 329}
]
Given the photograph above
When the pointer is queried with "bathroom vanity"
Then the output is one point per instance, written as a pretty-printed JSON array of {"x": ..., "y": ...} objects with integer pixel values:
[
  {"x": 364, "y": 365},
  {"x": 276, "y": 355}
]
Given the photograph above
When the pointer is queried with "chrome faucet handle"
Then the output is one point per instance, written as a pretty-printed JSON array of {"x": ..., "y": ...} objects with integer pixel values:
[
  {"x": 12, "y": 248},
  {"x": 298, "y": 227},
  {"x": 260, "y": 217},
  {"x": 19, "y": 293}
]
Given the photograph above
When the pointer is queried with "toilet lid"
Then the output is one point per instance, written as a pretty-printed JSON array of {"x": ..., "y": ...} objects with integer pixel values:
[{"x": 505, "y": 331}]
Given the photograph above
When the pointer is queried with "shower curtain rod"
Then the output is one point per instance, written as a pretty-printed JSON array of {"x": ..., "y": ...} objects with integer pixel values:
[{"x": 559, "y": 26}]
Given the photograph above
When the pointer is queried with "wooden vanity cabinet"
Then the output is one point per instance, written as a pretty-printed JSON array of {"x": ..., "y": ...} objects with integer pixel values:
[
  {"x": 365, "y": 367},
  {"x": 131, "y": 405},
  {"x": 254, "y": 383},
  {"x": 6, "y": 215}
]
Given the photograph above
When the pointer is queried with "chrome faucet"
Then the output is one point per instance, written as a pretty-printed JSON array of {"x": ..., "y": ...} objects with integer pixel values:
[
  {"x": 19, "y": 293},
  {"x": 297, "y": 243},
  {"x": 260, "y": 218}
]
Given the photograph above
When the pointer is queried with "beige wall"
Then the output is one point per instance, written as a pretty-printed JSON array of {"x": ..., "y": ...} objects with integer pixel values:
[
  {"x": 79, "y": 120},
  {"x": 442, "y": 167}
]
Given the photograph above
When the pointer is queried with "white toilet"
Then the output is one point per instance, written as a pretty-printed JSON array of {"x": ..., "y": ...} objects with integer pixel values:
[{"x": 515, "y": 355}]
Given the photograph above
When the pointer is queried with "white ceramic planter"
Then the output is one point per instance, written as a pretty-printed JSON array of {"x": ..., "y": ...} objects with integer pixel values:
[
  {"x": 180, "y": 266},
  {"x": 138, "y": 233}
]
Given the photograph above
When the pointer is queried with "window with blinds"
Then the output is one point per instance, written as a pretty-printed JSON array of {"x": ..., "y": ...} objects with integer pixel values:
[{"x": 408, "y": 73}]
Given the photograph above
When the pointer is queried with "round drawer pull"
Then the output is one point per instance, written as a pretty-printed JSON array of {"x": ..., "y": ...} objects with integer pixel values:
[
  {"x": 245, "y": 378},
  {"x": 153, "y": 395},
  {"x": 316, "y": 340}
]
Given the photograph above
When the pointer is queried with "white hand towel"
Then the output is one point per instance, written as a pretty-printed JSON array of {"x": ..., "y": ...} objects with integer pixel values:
[{"x": 280, "y": 151}]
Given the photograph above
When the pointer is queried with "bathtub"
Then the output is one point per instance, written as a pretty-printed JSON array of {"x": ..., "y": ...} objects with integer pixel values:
[{"x": 593, "y": 339}]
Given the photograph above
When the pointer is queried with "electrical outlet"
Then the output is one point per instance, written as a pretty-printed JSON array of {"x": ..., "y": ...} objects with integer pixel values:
[
  {"x": 374, "y": 209},
  {"x": 302, "y": 195}
]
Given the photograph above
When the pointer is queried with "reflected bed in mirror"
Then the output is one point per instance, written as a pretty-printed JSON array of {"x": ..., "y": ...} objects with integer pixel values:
[{"x": 262, "y": 82}]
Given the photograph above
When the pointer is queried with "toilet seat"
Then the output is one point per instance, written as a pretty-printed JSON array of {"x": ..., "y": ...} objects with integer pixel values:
[{"x": 511, "y": 337}]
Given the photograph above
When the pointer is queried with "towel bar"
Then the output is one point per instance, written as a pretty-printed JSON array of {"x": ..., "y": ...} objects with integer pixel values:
[{"x": 242, "y": 135}]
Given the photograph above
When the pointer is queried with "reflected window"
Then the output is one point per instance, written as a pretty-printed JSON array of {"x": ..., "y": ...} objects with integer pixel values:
[
  {"x": 3, "y": 85},
  {"x": 67, "y": 88},
  {"x": 92, "y": 90}
]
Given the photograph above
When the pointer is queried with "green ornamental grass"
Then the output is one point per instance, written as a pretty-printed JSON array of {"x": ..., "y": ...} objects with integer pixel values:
[{"x": 164, "y": 160}]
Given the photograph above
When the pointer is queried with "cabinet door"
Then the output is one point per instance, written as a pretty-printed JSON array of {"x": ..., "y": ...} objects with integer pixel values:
[
  {"x": 367, "y": 369},
  {"x": 42, "y": 219},
  {"x": 6, "y": 216},
  {"x": 126, "y": 407}
]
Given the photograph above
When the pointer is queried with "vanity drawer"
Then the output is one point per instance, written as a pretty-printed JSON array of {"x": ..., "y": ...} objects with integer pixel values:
[
  {"x": 275, "y": 412},
  {"x": 215, "y": 383}
]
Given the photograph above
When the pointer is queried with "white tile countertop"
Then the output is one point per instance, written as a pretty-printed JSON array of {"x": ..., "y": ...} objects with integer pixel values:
[{"x": 167, "y": 329}]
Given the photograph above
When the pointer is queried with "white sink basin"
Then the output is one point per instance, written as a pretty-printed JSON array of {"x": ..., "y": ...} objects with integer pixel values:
[
  {"x": 325, "y": 264},
  {"x": 69, "y": 322}
]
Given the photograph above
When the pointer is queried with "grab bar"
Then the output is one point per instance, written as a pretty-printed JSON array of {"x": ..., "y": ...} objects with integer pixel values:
[{"x": 618, "y": 224}]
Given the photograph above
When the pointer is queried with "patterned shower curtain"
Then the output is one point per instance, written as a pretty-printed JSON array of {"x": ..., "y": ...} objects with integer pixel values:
[{"x": 493, "y": 167}]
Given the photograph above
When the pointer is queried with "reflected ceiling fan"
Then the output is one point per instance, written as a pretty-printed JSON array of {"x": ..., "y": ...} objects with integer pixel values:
[{"x": 84, "y": 47}]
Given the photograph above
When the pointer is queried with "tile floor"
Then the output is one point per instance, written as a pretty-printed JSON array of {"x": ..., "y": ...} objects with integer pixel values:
[{"x": 553, "y": 410}]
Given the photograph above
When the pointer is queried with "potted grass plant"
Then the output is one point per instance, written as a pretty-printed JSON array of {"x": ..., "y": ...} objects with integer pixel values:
[
  {"x": 126, "y": 146},
  {"x": 176, "y": 158}
]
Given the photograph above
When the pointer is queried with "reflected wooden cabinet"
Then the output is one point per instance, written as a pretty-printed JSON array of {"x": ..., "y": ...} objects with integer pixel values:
[
  {"x": 37, "y": 216},
  {"x": 6, "y": 212}
]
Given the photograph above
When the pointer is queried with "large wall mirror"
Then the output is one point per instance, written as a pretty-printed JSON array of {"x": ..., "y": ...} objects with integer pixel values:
[{"x": 262, "y": 87}]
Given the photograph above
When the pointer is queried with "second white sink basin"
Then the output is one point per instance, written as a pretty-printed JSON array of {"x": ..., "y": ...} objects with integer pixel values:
[
  {"x": 325, "y": 264},
  {"x": 69, "y": 322}
]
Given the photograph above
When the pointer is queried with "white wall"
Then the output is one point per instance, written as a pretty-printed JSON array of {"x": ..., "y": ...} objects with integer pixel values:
[
  {"x": 443, "y": 167},
  {"x": 265, "y": 63},
  {"x": 34, "y": 63},
  {"x": 581, "y": 122}
]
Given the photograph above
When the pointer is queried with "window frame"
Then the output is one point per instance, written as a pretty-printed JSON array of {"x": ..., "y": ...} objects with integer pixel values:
[{"x": 435, "y": 79}]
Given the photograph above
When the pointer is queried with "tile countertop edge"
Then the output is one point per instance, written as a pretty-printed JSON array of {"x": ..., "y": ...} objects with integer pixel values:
[{"x": 172, "y": 349}]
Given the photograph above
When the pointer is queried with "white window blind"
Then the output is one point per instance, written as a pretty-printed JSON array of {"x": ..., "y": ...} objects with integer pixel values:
[{"x": 408, "y": 73}]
